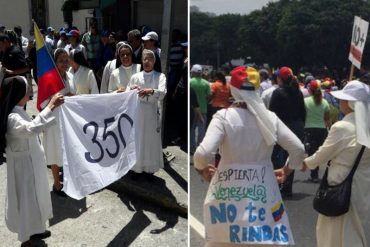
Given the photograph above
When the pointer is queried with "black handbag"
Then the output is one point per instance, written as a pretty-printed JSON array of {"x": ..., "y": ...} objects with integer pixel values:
[{"x": 335, "y": 200}]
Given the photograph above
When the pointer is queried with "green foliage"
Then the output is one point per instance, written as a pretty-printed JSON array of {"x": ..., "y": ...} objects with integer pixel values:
[{"x": 295, "y": 33}]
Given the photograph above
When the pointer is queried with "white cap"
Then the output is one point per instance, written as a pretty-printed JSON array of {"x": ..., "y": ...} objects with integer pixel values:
[
  {"x": 196, "y": 68},
  {"x": 353, "y": 91},
  {"x": 150, "y": 35}
]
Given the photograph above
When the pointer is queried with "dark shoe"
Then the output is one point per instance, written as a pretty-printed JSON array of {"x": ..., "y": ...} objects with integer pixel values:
[
  {"x": 59, "y": 192},
  {"x": 43, "y": 235},
  {"x": 28, "y": 244}
]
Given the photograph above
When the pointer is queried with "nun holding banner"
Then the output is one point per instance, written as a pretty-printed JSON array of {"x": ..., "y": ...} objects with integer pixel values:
[
  {"x": 28, "y": 202},
  {"x": 243, "y": 205}
]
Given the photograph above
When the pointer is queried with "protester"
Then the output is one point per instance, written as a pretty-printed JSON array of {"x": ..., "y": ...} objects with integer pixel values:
[
  {"x": 51, "y": 137},
  {"x": 24, "y": 40},
  {"x": 74, "y": 44},
  {"x": 134, "y": 40},
  {"x": 245, "y": 134},
  {"x": 151, "y": 87},
  {"x": 341, "y": 148},
  {"x": 333, "y": 102},
  {"x": 150, "y": 42},
  {"x": 317, "y": 122},
  {"x": 105, "y": 52},
  {"x": 108, "y": 69},
  {"x": 63, "y": 39},
  {"x": 266, "y": 94},
  {"x": 13, "y": 60},
  {"x": 120, "y": 77},
  {"x": 84, "y": 80},
  {"x": 265, "y": 80},
  {"x": 28, "y": 203},
  {"x": 220, "y": 97},
  {"x": 49, "y": 39},
  {"x": 203, "y": 92},
  {"x": 288, "y": 104},
  {"x": 91, "y": 41}
]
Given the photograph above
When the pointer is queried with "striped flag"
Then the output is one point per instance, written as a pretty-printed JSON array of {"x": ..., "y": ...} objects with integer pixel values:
[
  {"x": 277, "y": 211},
  {"x": 49, "y": 80}
]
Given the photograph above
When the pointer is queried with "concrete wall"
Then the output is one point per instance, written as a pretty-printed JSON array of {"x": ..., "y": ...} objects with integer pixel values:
[
  {"x": 145, "y": 16},
  {"x": 56, "y": 16},
  {"x": 16, "y": 12}
]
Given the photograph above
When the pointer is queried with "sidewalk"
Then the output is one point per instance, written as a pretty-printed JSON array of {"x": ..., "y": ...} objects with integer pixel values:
[{"x": 169, "y": 188}]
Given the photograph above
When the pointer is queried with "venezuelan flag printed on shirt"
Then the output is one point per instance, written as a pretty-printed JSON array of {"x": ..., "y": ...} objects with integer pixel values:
[
  {"x": 49, "y": 80},
  {"x": 277, "y": 211}
]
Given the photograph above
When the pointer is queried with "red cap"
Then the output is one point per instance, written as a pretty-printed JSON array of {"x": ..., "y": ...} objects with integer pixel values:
[
  {"x": 314, "y": 85},
  {"x": 238, "y": 76},
  {"x": 285, "y": 73}
]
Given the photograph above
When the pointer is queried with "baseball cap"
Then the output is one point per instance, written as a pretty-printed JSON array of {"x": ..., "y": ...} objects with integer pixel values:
[
  {"x": 150, "y": 35},
  {"x": 73, "y": 33},
  {"x": 315, "y": 85},
  {"x": 285, "y": 73},
  {"x": 196, "y": 68},
  {"x": 353, "y": 91},
  {"x": 104, "y": 33},
  {"x": 50, "y": 29}
]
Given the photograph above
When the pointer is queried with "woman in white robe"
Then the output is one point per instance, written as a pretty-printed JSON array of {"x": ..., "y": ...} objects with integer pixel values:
[
  {"x": 28, "y": 202},
  {"x": 51, "y": 137},
  {"x": 120, "y": 77},
  {"x": 108, "y": 69},
  {"x": 244, "y": 134},
  {"x": 342, "y": 146},
  {"x": 151, "y": 87},
  {"x": 84, "y": 80}
]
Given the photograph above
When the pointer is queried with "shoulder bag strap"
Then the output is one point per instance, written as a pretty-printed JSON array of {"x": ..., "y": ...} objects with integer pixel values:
[{"x": 357, "y": 161}]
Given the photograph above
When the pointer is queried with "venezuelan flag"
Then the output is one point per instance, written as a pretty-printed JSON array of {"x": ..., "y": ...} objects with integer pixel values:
[
  {"x": 49, "y": 80},
  {"x": 277, "y": 211}
]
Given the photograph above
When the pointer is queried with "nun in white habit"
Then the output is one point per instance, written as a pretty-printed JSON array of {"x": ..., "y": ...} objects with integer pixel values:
[
  {"x": 84, "y": 80},
  {"x": 245, "y": 134},
  {"x": 108, "y": 69},
  {"x": 120, "y": 77},
  {"x": 151, "y": 87},
  {"x": 343, "y": 144},
  {"x": 28, "y": 202}
]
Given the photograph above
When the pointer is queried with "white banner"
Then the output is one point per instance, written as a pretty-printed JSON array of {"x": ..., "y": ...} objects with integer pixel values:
[
  {"x": 244, "y": 206},
  {"x": 359, "y": 34},
  {"x": 98, "y": 140}
]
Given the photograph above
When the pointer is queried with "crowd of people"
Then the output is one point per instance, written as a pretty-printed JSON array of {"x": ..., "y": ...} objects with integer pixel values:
[
  {"x": 91, "y": 63},
  {"x": 277, "y": 118}
]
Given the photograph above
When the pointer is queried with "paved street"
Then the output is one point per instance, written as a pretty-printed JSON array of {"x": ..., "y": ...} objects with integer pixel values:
[
  {"x": 108, "y": 218},
  {"x": 302, "y": 216}
]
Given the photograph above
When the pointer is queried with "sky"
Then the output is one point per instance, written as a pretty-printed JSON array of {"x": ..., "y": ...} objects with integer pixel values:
[{"x": 229, "y": 6}]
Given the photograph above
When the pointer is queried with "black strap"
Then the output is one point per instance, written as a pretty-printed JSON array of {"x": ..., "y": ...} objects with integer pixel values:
[{"x": 357, "y": 161}]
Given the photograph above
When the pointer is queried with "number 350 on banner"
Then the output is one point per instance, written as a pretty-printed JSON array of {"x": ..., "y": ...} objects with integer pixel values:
[
  {"x": 359, "y": 34},
  {"x": 110, "y": 125}
]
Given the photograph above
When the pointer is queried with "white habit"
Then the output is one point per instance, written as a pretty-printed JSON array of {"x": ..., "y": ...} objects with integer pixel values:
[
  {"x": 341, "y": 148},
  {"x": 28, "y": 202},
  {"x": 121, "y": 77},
  {"x": 84, "y": 81},
  {"x": 149, "y": 147},
  {"x": 235, "y": 132},
  {"x": 51, "y": 137}
]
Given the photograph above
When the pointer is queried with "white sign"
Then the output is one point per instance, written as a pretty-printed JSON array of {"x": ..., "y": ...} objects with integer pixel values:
[
  {"x": 98, "y": 140},
  {"x": 244, "y": 206},
  {"x": 359, "y": 34}
]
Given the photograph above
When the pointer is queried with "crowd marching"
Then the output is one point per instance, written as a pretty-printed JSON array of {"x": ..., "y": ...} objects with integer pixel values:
[{"x": 90, "y": 63}]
